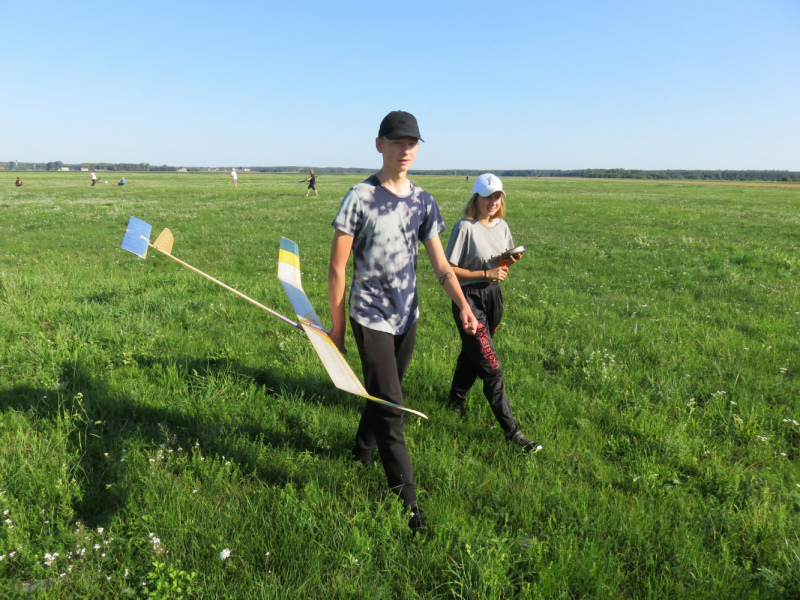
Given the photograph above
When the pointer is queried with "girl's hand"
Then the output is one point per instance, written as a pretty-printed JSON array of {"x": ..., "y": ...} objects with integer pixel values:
[{"x": 498, "y": 274}]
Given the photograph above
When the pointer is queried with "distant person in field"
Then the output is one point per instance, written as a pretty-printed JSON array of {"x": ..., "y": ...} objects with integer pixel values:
[
  {"x": 234, "y": 178},
  {"x": 474, "y": 251},
  {"x": 381, "y": 222},
  {"x": 18, "y": 182},
  {"x": 121, "y": 181},
  {"x": 94, "y": 178},
  {"x": 312, "y": 183}
]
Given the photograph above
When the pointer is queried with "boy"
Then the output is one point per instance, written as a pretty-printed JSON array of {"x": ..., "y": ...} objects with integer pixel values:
[{"x": 382, "y": 220}]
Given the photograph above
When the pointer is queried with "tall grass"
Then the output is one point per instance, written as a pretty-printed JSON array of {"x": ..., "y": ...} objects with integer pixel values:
[{"x": 149, "y": 420}]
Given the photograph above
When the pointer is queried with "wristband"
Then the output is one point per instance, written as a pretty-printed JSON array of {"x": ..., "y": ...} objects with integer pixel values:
[{"x": 484, "y": 274}]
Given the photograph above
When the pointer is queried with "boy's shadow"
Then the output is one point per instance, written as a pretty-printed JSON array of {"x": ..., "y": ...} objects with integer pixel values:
[{"x": 107, "y": 421}]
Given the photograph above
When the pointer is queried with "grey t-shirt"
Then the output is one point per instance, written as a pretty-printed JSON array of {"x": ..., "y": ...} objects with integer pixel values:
[
  {"x": 386, "y": 232},
  {"x": 475, "y": 247}
]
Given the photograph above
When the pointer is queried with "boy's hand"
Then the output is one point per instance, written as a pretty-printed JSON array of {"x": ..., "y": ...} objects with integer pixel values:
[
  {"x": 337, "y": 337},
  {"x": 468, "y": 321}
]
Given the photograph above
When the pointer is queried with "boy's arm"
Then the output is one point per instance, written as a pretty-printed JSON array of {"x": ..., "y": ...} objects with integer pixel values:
[
  {"x": 337, "y": 284},
  {"x": 444, "y": 273}
]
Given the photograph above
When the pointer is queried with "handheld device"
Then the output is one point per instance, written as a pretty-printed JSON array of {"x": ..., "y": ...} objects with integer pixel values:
[{"x": 515, "y": 252}]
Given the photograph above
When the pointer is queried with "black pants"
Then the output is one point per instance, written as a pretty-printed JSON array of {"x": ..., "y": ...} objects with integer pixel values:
[
  {"x": 384, "y": 360},
  {"x": 478, "y": 357}
]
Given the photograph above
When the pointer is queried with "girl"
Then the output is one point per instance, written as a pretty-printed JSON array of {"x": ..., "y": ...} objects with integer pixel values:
[{"x": 474, "y": 250}]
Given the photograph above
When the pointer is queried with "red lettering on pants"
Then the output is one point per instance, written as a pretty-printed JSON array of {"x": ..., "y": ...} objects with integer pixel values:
[{"x": 486, "y": 347}]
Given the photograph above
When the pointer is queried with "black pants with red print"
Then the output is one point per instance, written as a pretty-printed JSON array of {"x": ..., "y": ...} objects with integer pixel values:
[
  {"x": 478, "y": 358},
  {"x": 384, "y": 360}
]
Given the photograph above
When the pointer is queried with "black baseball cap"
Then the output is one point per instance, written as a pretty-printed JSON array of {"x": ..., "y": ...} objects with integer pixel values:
[{"x": 399, "y": 123}]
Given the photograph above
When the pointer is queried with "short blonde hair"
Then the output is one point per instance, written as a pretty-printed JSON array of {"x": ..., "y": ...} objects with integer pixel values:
[{"x": 471, "y": 209}]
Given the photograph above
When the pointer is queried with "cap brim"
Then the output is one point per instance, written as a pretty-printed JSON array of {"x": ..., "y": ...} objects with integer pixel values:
[
  {"x": 485, "y": 193},
  {"x": 396, "y": 135}
]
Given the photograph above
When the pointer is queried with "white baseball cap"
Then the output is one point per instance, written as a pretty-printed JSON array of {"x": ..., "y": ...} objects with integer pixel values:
[{"x": 487, "y": 184}]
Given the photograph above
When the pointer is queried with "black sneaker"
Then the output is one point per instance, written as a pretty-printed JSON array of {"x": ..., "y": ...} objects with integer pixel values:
[
  {"x": 417, "y": 521},
  {"x": 456, "y": 408},
  {"x": 368, "y": 462},
  {"x": 519, "y": 439}
]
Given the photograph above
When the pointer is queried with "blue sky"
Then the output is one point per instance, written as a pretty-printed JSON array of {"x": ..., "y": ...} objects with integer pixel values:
[{"x": 704, "y": 84}]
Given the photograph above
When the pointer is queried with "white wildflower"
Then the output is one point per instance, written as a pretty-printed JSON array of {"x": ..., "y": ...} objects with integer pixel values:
[
  {"x": 49, "y": 558},
  {"x": 156, "y": 541}
]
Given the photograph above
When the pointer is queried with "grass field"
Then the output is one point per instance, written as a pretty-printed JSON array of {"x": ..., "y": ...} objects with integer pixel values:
[{"x": 150, "y": 420}]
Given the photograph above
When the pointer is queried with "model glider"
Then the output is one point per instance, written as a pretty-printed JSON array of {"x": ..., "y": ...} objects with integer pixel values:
[{"x": 137, "y": 241}]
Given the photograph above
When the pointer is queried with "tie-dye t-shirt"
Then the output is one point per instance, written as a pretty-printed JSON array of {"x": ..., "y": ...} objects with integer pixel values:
[{"x": 386, "y": 232}]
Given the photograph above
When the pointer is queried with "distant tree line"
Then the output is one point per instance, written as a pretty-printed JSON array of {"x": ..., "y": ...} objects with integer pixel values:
[
  {"x": 701, "y": 175},
  {"x": 99, "y": 166},
  {"x": 685, "y": 174}
]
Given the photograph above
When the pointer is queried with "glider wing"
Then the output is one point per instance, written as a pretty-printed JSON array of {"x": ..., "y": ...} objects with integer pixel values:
[{"x": 339, "y": 370}]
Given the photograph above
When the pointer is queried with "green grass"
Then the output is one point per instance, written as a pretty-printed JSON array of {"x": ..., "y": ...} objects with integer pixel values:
[{"x": 650, "y": 343}]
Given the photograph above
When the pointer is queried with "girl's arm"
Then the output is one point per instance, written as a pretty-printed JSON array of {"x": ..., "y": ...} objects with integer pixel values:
[
  {"x": 337, "y": 282},
  {"x": 444, "y": 273},
  {"x": 497, "y": 274}
]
